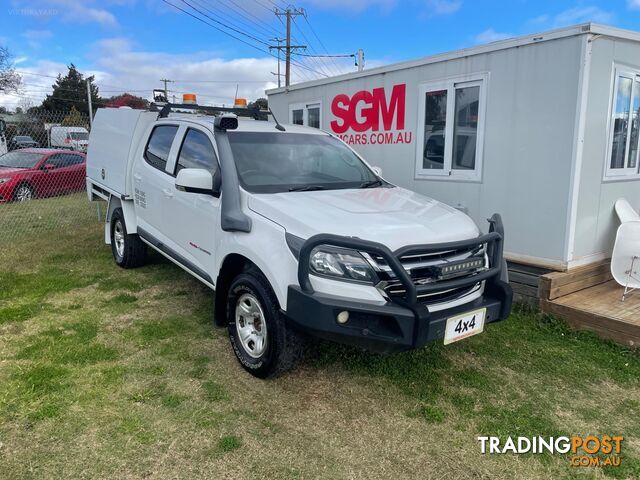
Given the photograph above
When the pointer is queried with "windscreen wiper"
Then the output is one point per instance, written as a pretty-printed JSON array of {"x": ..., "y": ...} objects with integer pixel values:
[
  {"x": 371, "y": 183},
  {"x": 306, "y": 188}
]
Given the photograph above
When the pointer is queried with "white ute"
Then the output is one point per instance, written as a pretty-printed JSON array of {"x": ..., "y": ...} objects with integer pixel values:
[{"x": 296, "y": 233}]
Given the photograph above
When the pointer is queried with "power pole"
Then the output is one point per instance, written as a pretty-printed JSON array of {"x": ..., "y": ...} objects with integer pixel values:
[
  {"x": 89, "y": 102},
  {"x": 278, "y": 48},
  {"x": 288, "y": 13},
  {"x": 360, "y": 59},
  {"x": 166, "y": 92}
]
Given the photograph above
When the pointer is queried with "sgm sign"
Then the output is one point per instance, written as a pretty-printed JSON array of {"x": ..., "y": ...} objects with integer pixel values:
[{"x": 373, "y": 117}]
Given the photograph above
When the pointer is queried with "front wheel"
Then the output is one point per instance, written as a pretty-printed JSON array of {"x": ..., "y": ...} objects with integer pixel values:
[
  {"x": 260, "y": 338},
  {"x": 23, "y": 193}
]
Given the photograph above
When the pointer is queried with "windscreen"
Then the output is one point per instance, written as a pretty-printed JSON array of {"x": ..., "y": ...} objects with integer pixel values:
[
  {"x": 279, "y": 162},
  {"x": 79, "y": 135},
  {"x": 20, "y": 159}
]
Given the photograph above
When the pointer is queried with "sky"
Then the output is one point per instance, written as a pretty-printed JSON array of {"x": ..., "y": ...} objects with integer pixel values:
[{"x": 129, "y": 45}]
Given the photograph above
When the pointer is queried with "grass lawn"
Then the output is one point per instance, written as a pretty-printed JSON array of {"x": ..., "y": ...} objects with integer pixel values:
[{"x": 107, "y": 373}]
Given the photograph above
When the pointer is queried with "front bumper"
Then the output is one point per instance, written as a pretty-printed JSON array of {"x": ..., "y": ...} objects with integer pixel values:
[{"x": 400, "y": 324}]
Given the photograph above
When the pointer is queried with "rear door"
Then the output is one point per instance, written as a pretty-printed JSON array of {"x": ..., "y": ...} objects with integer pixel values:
[
  {"x": 76, "y": 171},
  {"x": 152, "y": 184}
]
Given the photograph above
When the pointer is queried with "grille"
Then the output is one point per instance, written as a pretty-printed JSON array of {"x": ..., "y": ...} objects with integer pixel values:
[{"x": 426, "y": 268}]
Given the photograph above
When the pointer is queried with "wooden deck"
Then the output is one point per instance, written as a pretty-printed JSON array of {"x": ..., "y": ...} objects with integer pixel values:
[{"x": 588, "y": 299}]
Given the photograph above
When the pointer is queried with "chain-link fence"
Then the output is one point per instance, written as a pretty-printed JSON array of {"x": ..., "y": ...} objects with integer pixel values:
[{"x": 42, "y": 174}]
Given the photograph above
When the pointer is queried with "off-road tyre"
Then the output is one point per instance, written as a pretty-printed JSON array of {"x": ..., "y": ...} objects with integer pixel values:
[
  {"x": 127, "y": 249},
  {"x": 284, "y": 347}
]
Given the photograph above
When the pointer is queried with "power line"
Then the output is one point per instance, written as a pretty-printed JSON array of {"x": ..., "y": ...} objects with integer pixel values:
[
  {"x": 224, "y": 15},
  {"x": 225, "y": 25},
  {"x": 295, "y": 39},
  {"x": 319, "y": 40},
  {"x": 257, "y": 21},
  {"x": 313, "y": 59},
  {"x": 345, "y": 55},
  {"x": 231, "y": 35}
]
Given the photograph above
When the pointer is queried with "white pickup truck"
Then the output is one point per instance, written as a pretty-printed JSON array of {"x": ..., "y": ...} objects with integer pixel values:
[{"x": 295, "y": 232}]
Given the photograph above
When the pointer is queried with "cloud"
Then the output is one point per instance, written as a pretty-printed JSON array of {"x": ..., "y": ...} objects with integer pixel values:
[
  {"x": 120, "y": 66},
  {"x": 490, "y": 35},
  {"x": 633, "y": 4},
  {"x": 443, "y": 7},
  {"x": 573, "y": 16},
  {"x": 355, "y": 6},
  {"x": 35, "y": 37},
  {"x": 37, "y": 34}
]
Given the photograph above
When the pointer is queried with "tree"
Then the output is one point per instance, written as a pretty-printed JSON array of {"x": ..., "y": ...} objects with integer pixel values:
[
  {"x": 9, "y": 79},
  {"x": 127, "y": 100},
  {"x": 71, "y": 91},
  {"x": 74, "y": 119},
  {"x": 261, "y": 103}
]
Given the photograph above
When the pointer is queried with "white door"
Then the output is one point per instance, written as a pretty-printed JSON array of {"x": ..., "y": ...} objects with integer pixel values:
[
  {"x": 153, "y": 185},
  {"x": 194, "y": 216}
]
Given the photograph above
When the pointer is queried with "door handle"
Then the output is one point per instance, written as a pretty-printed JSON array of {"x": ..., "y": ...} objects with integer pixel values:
[
  {"x": 137, "y": 177},
  {"x": 167, "y": 193}
]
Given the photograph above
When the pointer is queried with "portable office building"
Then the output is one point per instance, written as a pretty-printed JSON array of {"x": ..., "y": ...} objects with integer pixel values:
[{"x": 541, "y": 128}]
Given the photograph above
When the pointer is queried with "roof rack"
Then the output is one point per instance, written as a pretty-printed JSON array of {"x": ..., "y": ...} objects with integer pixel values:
[{"x": 250, "y": 112}]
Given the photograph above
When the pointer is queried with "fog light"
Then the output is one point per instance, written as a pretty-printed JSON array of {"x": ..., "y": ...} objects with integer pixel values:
[{"x": 343, "y": 317}]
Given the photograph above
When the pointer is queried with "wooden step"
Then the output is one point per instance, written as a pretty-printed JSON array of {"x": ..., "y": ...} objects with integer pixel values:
[{"x": 558, "y": 284}]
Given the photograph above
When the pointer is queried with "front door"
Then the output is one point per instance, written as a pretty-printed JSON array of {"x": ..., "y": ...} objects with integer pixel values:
[{"x": 194, "y": 216}]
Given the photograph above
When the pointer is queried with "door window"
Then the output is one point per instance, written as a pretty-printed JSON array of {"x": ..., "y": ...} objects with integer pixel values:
[
  {"x": 58, "y": 161},
  {"x": 157, "y": 151},
  {"x": 196, "y": 152}
]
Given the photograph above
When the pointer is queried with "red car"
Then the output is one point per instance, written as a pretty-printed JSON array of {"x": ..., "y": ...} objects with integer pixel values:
[{"x": 40, "y": 172}]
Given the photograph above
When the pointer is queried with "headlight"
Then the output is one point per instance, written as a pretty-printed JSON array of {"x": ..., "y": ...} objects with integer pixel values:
[
  {"x": 4, "y": 180},
  {"x": 341, "y": 263}
]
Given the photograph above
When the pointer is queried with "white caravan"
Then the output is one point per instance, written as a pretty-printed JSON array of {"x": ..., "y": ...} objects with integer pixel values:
[{"x": 295, "y": 232}]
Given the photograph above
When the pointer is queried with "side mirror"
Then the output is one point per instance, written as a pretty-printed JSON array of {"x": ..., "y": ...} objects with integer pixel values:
[
  {"x": 49, "y": 166},
  {"x": 377, "y": 171},
  {"x": 196, "y": 180}
]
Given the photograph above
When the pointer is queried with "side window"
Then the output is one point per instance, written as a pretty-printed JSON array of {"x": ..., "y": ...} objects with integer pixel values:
[
  {"x": 157, "y": 151},
  {"x": 624, "y": 126},
  {"x": 57, "y": 160},
  {"x": 308, "y": 114},
  {"x": 296, "y": 116},
  {"x": 196, "y": 152},
  {"x": 73, "y": 159},
  {"x": 450, "y": 133}
]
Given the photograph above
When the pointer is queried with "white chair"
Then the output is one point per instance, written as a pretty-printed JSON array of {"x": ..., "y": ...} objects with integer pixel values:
[{"x": 625, "y": 260}]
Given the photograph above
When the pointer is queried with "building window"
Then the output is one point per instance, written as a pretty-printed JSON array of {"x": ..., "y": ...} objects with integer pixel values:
[
  {"x": 308, "y": 114},
  {"x": 450, "y": 132},
  {"x": 297, "y": 116},
  {"x": 622, "y": 158}
]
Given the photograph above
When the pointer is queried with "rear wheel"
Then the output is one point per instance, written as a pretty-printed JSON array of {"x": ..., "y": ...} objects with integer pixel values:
[
  {"x": 127, "y": 249},
  {"x": 23, "y": 193},
  {"x": 260, "y": 338}
]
